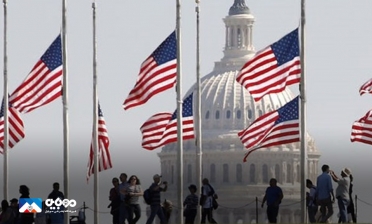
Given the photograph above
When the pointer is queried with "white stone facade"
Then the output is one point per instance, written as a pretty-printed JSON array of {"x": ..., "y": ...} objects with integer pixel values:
[{"x": 228, "y": 108}]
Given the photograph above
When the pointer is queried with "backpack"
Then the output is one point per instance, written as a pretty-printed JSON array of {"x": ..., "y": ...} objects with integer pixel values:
[{"x": 147, "y": 196}]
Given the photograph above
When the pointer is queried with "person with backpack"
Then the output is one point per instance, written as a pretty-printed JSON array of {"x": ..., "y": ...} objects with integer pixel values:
[
  {"x": 208, "y": 202},
  {"x": 155, "y": 201},
  {"x": 312, "y": 207}
]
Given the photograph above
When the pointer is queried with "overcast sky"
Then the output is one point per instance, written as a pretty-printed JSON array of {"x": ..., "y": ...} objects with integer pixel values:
[{"x": 338, "y": 61}]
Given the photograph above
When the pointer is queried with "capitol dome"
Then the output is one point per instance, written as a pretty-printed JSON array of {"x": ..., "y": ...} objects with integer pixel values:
[{"x": 227, "y": 108}]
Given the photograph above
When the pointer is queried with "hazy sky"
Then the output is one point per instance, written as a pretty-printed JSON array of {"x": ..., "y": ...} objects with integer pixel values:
[{"x": 338, "y": 55}]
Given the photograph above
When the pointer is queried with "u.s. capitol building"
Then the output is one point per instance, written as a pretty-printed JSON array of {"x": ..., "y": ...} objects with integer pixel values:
[{"x": 228, "y": 108}]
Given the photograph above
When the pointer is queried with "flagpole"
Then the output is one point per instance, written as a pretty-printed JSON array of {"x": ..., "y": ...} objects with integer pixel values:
[
  {"x": 303, "y": 118},
  {"x": 95, "y": 118},
  {"x": 6, "y": 106},
  {"x": 179, "y": 116},
  {"x": 65, "y": 112},
  {"x": 199, "y": 141}
]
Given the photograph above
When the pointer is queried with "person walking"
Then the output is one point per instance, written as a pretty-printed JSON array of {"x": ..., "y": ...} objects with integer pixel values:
[
  {"x": 324, "y": 194},
  {"x": 206, "y": 201},
  {"x": 342, "y": 192},
  {"x": 273, "y": 197}
]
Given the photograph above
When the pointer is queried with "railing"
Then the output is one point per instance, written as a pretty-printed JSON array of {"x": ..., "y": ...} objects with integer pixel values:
[{"x": 257, "y": 207}]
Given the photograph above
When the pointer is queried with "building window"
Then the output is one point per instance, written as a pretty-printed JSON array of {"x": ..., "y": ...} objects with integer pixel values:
[
  {"x": 265, "y": 174},
  {"x": 225, "y": 173},
  {"x": 239, "y": 173},
  {"x": 238, "y": 114},
  {"x": 228, "y": 114},
  {"x": 217, "y": 114},
  {"x": 298, "y": 173},
  {"x": 260, "y": 112},
  {"x": 172, "y": 175},
  {"x": 239, "y": 38},
  {"x": 277, "y": 173},
  {"x": 289, "y": 173},
  {"x": 252, "y": 173},
  {"x": 213, "y": 173},
  {"x": 207, "y": 115},
  {"x": 250, "y": 114},
  {"x": 189, "y": 173}
]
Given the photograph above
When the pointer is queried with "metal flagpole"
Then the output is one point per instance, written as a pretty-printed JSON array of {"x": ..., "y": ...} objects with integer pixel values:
[
  {"x": 65, "y": 112},
  {"x": 179, "y": 116},
  {"x": 303, "y": 118},
  {"x": 95, "y": 118},
  {"x": 199, "y": 141},
  {"x": 6, "y": 106}
]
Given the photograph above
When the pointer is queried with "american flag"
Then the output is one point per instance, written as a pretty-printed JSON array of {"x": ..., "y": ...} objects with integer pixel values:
[
  {"x": 44, "y": 82},
  {"x": 157, "y": 73},
  {"x": 104, "y": 156},
  {"x": 273, "y": 68},
  {"x": 15, "y": 124},
  {"x": 361, "y": 130},
  {"x": 274, "y": 128},
  {"x": 366, "y": 87},
  {"x": 161, "y": 128}
]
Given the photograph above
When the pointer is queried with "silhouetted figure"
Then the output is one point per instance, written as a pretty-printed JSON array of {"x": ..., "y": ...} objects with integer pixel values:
[
  {"x": 191, "y": 205},
  {"x": 25, "y": 218},
  {"x": 206, "y": 201},
  {"x": 123, "y": 208},
  {"x": 7, "y": 215},
  {"x": 325, "y": 195},
  {"x": 115, "y": 201},
  {"x": 156, "y": 208},
  {"x": 14, "y": 205},
  {"x": 351, "y": 208},
  {"x": 56, "y": 193},
  {"x": 342, "y": 192},
  {"x": 134, "y": 191},
  {"x": 273, "y": 197},
  {"x": 312, "y": 206}
]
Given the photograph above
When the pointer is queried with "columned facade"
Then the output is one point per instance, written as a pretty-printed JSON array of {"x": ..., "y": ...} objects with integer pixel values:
[{"x": 228, "y": 108}]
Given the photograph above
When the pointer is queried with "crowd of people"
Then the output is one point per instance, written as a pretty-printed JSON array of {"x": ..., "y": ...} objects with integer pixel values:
[
  {"x": 125, "y": 201},
  {"x": 320, "y": 199},
  {"x": 10, "y": 210}
]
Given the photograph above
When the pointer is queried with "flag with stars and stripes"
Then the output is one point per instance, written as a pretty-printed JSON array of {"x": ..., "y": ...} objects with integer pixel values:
[
  {"x": 15, "y": 125},
  {"x": 366, "y": 87},
  {"x": 273, "y": 68},
  {"x": 44, "y": 82},
  {"x": 157, "y": 74},
  {"x": 104, "y": 157},
  {"x": 361, "y": 130},
  {"x": 277, "y": 127},
  {"x": 161, "y": 128}
]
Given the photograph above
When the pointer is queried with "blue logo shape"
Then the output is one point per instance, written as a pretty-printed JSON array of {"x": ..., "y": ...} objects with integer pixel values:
[{"x": 30, "y": 205}]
